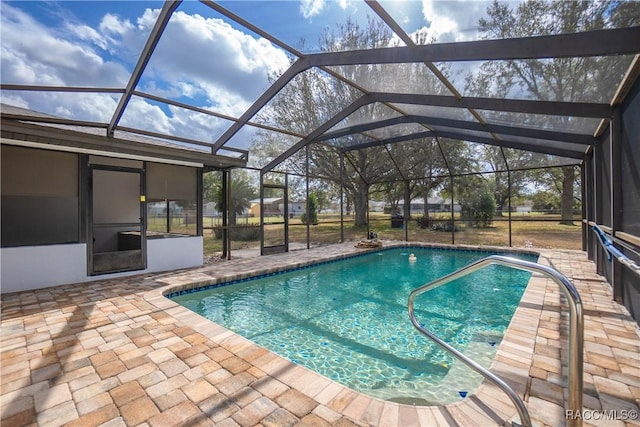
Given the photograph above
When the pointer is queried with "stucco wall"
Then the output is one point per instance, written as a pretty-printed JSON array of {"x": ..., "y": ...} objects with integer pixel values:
[{"x": 36, "y": 267}]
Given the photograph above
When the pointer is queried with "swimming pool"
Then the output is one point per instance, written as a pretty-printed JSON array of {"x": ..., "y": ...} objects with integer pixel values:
[{"x": 348, "y": 321}]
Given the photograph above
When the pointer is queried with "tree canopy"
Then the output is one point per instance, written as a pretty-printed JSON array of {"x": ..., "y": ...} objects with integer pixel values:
[
  {"x": 312, "y": 98},
  {"x": 585, "y": 79}
]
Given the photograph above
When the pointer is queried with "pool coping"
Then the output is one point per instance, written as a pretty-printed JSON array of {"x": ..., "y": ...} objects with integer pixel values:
[{"x": 487, "y": 405}]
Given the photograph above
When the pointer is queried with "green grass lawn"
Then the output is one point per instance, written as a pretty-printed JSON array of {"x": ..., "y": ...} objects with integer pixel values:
[{"x": 539, "y": 231}]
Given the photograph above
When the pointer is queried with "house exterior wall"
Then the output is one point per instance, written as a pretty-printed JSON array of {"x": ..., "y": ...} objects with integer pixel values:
[
  {"x": 38, "y": 255},
  {"x": 174, "y": 252},
  {"x": 36, "y": 267}
]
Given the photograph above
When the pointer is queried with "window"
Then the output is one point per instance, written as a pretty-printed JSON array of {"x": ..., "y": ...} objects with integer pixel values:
[
  {"x": 40, "y": 203},
  {"x": 172, "y": 199}
]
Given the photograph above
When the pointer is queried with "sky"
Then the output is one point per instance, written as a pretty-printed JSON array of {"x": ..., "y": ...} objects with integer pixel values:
[{"x": 203, "y": 58}]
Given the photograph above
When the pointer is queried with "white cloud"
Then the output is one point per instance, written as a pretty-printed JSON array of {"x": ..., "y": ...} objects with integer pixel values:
[
  {"x": 16, "y": 100},
  {"x": 343, "y": 4},
  {"x": 219, "y": 60},
  {"x": 196, "y": 125},
  {"x": 224, "y": 101},
  {"x": 142, "y": 115},
  {"x": 453, "y": 20},
  {"x": 93, "y": 107},
  {"x": 311, "y": 8},
  {"x": 86, "y": 33},
  {"x": 440, "y": 24},
  {"x": 112, "y": 24},
  {"x": 34, "y": 54},
  {"x": 148, "y": 18}
]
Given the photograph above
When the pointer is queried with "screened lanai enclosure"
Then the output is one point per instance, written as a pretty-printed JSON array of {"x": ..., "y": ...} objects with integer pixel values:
[{"x": 372, "y": 128}]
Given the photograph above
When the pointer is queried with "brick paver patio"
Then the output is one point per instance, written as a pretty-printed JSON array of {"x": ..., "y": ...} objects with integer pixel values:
[{"x": 117, "y": 352}]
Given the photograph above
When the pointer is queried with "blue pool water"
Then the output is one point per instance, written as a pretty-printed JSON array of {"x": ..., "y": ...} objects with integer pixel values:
[{"x": 348, "y": 320}]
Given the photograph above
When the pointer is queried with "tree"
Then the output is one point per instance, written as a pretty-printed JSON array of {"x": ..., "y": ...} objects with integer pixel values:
[
  {"x": 512, "y": 183},
  {"x": 435, "y": 160},
  {"x": 561, "y": 79},
  {"x": 391, "y": 193},
  {"x": 210, "y": 183},
  {"x": 313, "y": 97},
  {"x": 241, "y": 191},
  {"x": 312, "y": 215},
  {"x": 419, "y": 158},
  {"x": 484, "y": 208},
  {"x": 552, "y": 180},
  {"x": 544, "y": 201},
  {"x": 323, "y": 198},
  {"x": 476, "y": 199}
]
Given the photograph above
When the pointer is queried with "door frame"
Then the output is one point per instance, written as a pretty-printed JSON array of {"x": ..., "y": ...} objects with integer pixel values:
[
  {"x": 142, "y": 223},
  {"x": 284, "y": 247}
]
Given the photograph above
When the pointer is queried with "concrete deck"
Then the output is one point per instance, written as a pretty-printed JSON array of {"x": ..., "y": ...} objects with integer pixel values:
[{"x": 117, "y": 352}]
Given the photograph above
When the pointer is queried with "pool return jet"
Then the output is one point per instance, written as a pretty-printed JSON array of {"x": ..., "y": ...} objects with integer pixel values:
[{"x": 576, "y": 332}]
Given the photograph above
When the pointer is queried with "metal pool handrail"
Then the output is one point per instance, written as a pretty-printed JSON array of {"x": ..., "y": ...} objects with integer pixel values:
[
  {"x": 612, "y": 251},
  {"x": 576, "y": 331}
]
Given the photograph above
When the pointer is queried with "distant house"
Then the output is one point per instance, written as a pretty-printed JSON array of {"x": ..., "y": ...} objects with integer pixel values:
[
  {"x": 297, "y": 208},
  {"x": 375, "y": 206},
  {"x": 272, "y": 206},
  {"x": 275, "y": 206},
  {"x": 435, "y": 204},
  {"x": 526, "y": 207}
]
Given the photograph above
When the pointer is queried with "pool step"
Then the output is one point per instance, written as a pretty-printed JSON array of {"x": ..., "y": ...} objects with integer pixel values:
[{"x": 460, "y": 381}]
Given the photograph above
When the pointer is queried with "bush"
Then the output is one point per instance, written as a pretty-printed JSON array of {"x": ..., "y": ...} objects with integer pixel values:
[
  {"x": 443, "y": 226},
  {"x": 313, "y": 211},
  {"x": 424, "y": 222},
  {"x": 480, "y": 208},
  {"x": 485, "y": 209}
]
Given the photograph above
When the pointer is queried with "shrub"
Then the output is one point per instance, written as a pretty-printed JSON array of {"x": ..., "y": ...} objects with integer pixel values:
[
  {"x": 313, "y": 211},
  {"x": 484, "y": 209},
  {"x": 480, "y": 208},
  {"x": 443, "y": 226},
  {"x": 424, "y": 222}
]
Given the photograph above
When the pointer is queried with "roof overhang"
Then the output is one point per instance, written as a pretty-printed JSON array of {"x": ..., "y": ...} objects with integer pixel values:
[{"x": 42, "y": 136}]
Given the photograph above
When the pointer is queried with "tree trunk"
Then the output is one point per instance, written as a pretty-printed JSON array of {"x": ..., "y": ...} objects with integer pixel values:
[
  {"x": 361, "y": 203},
  {"x": 566, "y": 202},
  {"x": 425, "y": 208},
  {"x": 502, "y": 205}
]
